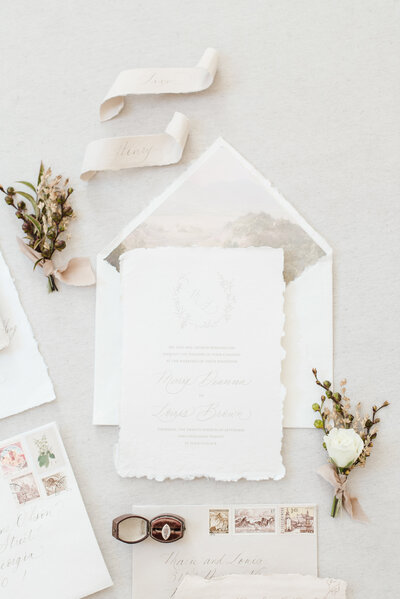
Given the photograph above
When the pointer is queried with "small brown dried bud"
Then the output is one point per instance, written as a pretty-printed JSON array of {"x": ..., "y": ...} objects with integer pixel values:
[
  {"x": 10, "y": 191},
  {"x": 19, "y": 214},
  {"x": 68, "y": 211},
  {"x": 21, "y": 205},
  {"x": 9, "y": 200},
  {"x": 60, "y": 245}
]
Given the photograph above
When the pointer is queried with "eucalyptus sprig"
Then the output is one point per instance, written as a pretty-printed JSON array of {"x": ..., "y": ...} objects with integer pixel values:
[{"x": 46, "y": 216}]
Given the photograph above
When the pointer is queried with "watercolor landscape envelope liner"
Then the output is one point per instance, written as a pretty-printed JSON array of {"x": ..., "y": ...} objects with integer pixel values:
[
  {"x": 47, "y": 545},
  {"x": 226, "y": 539},
  {"x": 221, "y": 200}
]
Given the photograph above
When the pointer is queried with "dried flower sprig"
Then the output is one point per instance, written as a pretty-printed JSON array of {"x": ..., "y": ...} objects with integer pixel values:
[
  {"x": 45, "y": 222},
  {"x": 348, "y": 439}
]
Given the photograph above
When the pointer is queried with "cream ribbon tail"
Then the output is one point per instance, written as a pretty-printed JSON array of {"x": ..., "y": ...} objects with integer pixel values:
[
  {"x": 116, "y": 153},
  {"x": 339, "y": 483},
  {"x": 159, "y": 81},
  {"x": 78, "y": 271}
]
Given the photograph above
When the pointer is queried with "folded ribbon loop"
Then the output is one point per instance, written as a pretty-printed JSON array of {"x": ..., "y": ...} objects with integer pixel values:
[
  {"x": 78, "y": 271},
  {"x": 115, "y": 153},
  {"x": 339, "y": 483},
  {"x": 159, "y": 81}
]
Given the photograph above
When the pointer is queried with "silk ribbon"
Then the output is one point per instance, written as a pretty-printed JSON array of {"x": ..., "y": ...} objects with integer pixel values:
[
  {"x": 159, "y": 81},
  {"x": 339, "y": 483},
  {"x": 117, "y": 153},
  {"x": 78, "y": 271}
]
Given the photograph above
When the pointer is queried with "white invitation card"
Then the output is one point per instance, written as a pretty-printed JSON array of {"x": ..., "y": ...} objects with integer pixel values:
[
  {"x": 201, "y": 389},
  {"x": 47, "y": 545},
  {"x": 24, "y": 380},
  {"x": 220, "y": 540}
]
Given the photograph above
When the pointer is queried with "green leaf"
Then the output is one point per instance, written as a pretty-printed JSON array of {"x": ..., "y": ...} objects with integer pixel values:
[
  {"x": 43, "y": 460},
  {"x": 52, "y": 456},
  {"x": 28, "y": 185},
  {"x": 41, "y": 171},
  {"x": 30, "y": 199},
  {"x": 34, "y": 222},
  {"x": 37, "y": 262}
]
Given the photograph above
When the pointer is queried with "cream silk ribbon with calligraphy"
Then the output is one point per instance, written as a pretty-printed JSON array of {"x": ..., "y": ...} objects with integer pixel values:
[
  {"x": 273, "y": 586},
  {"x": 159, "y": 81},
  {"x": 116, "y": 153}
]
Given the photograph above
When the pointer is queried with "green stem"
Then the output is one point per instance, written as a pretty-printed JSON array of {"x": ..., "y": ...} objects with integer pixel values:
[
  {"x": 52, "y": 284},
  {"x": 335, "y": 504}
]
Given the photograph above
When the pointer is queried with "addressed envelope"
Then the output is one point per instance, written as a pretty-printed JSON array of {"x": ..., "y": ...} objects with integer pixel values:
[
  {"x": 220, "y": 540},
  {"x": 222, "y": 200},
  {"x": 47, "y": 545}
]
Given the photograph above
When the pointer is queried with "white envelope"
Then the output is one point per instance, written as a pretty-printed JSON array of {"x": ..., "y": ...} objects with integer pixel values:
[
  {"x": 220, "y": 540},
  {"x": 221, "y": 200}
]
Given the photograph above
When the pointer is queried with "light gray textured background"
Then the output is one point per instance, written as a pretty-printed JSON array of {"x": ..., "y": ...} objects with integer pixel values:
[{"x": 308, "y": 91}]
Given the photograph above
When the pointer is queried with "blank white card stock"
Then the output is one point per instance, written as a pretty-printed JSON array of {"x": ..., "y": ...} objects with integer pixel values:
[
  {"x": 221, "y": 200},
  {"x": 201, "y": 363}
]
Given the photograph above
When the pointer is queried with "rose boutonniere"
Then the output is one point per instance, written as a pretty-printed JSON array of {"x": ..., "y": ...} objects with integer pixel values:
[
  {"x": 348, "y": 439},
  {"x": 45, "y": 212}
]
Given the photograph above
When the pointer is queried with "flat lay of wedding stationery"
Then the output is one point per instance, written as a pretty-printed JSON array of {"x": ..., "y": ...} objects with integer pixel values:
[
  {"x": 194, "y": 388},
  {"x": 274, "y": 586},
  {"x": 222, "y": 200},
  {"x": 23, "y": 387},
  {"x": 245, "y": 285},
  {"x": 226, "y": 539},
  {"x": 47, "y": 545}
]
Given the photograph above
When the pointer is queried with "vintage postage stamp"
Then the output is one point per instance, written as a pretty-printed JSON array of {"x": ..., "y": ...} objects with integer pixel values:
[
  {"x": 255, "y": 520},
  {"x": 218, "y": 522},
  {"x": 45, "y": 448},
  {"x": 55, "y": 484},
  {"x": 24, "y": 488},
  {"x": 13, "y": 459},
  {"x": 297, "y": 519}
]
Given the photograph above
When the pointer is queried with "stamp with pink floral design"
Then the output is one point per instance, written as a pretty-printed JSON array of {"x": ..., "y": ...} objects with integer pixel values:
[{"x": 12, "y": 459}]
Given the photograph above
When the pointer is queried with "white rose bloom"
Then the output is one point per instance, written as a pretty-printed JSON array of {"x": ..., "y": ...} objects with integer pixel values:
[{"x": 344, "y": 446}]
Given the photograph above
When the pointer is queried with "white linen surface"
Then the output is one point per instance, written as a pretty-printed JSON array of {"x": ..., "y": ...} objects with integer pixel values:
[{"x": 309, "y": 92}]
